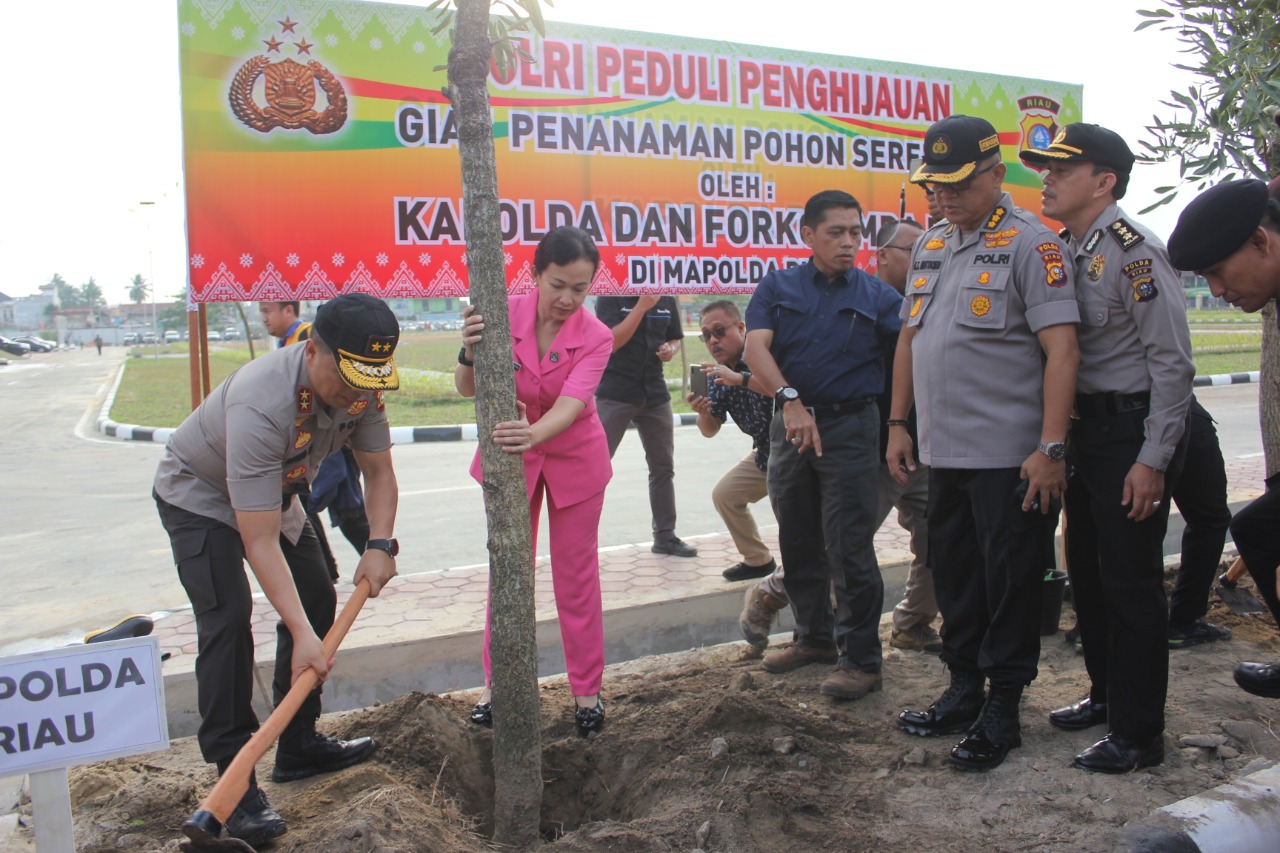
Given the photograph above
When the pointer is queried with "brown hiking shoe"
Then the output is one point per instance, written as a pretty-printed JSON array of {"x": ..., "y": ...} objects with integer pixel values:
[
  {"x": 850, "y": 683},
  {"x": 921, "y": 638},
  {"x": 797, "y": 655},
  {"x": 759, "y": 609}
]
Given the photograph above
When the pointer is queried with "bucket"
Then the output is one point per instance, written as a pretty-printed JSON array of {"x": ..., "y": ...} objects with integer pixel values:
[{"x": 1051, "y": 593}]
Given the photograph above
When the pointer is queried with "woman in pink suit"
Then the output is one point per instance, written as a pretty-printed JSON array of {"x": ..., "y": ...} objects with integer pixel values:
[{"x": 560, "y": 352}]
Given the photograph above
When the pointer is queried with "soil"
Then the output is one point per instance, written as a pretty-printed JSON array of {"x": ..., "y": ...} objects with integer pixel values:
[{"x": 705, "y": 750}]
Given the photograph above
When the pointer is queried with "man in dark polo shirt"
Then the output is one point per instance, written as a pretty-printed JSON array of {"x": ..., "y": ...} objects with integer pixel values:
[
  {"x": 818, "y": 335},
  {"x": 646, "y": 335}
]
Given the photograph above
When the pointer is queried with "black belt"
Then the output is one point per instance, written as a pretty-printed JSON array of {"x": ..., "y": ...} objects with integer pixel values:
[
  {"x": 1109, "y": 403},
  {"x": 836, "y": 410}
]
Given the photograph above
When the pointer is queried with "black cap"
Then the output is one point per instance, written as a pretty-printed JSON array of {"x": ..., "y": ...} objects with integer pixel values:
[
  {"x": 1217, "y": 223},
  {"x": 362, "y": 333},
  {"x": 1089, "y": 143},
  {"x": 953, "y": 147}
]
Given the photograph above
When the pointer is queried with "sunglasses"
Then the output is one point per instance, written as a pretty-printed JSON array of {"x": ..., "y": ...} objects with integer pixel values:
[
  {"x": 717, "y": 332},
  {"x": 961, "y": 186}
]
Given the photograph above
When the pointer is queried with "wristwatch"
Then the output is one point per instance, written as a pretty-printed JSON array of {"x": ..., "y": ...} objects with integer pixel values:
[
  {"x": 463, "y": 360},
  {"x": 786, "y": 394},
  {"x": 746, "y": 377},
  {"x": 391, "y": 546},
  {"x": 1055, "y": 450}
]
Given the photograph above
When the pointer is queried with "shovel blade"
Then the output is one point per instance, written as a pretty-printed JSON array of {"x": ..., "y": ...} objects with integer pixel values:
[{"x": 1240, "y": 600}]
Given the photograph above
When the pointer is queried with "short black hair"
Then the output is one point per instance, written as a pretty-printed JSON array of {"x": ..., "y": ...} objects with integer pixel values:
[
  {"x": 563, "y": 246},
  {"x": 723, "y": 305},
  {"x": 294, "y": 304},
  {"x": 815, "y": 209},
  {"x": 1122, "y": 179}
]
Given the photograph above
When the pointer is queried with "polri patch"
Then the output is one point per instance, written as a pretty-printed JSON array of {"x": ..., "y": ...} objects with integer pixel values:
[
  {"x": 984, "y": 278},
  {"x": 1095, "y": 266},
  {"x": 1124, "y": 234},
  {"x": 1144, "y": 289},
  {"x": 1055, "y": 274}
]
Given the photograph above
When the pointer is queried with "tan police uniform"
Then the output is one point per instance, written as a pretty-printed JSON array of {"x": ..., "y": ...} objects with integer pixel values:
[
  {"x": 977, "y": 302},
  {"x": 1133, "y": 392}
]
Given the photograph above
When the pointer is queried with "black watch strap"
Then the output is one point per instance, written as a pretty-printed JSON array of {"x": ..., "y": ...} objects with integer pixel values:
[
  {"x": 463, "y": 360},
  {"x": 391, "y": 546}
]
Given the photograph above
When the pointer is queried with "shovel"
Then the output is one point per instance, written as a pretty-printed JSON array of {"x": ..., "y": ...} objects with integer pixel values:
[
  {"x": 1238, "y": 600},
  {"x": 204, "y": 828}
]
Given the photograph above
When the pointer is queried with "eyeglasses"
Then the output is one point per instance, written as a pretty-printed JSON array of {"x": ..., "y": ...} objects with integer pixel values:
[
  {"x": 960, "y": 186},
  {"x": 891, "y": 246},
  {"x": 717, "y": 332}
]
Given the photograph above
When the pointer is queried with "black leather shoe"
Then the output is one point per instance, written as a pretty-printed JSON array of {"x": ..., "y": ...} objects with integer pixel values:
[
  {"x": 743, "y": 572},
  {"x": 309, "y": 753},
  {"x": 675, "y": 546},
  {"x": 1260, "y": 679},
  {"x": 589, "y": 720},
  {"x": 482, "y": 714},
  {"x": 1116, "y": 754},
  {"x": 126, "y": 629},
  {"x": 955, "y": 711},
  {"x": 995, "y": 733},
  {"x": 254, "y": 821},
  {"x": 1083, "y": 715}
]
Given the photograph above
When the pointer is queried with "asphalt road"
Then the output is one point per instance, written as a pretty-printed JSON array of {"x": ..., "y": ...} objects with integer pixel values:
[{"x": 82, "y": 545}]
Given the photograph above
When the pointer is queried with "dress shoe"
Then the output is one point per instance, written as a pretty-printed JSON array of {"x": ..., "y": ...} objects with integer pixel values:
[
  {"x": 675, "y": 546},
  {"x": 993, "y": 735},
  {"x": 954, "y": 711},
  {"x": 1083, "y": 715},
  {"x": 309, "y": 752},
  {"x": 918, "y": 638},
  {"x": 848, "y": 682},
  {"x": 743, "y": 572},
  {"x": 1199, "y": 631},
  {"x": 1117, "y": 754},
  {"x": 126, "y": 629},
  {"x": 589, "y": 720},
  {"x": 254, "y": 821},
  {"x": 797, "y": 655},
  {"x": 759, "y": 609},
  {"x": 482, "y": 714},
  {"x": 1260, "y": 679}
]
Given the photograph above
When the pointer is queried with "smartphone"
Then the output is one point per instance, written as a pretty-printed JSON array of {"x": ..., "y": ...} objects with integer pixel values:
[{"x": 697, "y": 381}]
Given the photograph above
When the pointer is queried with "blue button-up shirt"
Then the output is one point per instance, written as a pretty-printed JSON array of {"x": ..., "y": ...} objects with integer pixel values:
[{"x": 831, "y": 337}]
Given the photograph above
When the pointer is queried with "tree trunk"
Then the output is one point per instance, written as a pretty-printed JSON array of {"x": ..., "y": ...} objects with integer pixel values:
[
  {"x": 1269, "y": 389},
  {"x": 248, "y": 333},
  {"x": 517, "y": 749}
]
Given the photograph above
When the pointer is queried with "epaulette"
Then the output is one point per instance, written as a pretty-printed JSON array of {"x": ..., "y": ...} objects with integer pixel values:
[{"x": 1125, "y": 234}]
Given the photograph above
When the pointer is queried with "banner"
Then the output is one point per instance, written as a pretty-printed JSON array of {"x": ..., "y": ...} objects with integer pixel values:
[{"x": 321, "y": 155}]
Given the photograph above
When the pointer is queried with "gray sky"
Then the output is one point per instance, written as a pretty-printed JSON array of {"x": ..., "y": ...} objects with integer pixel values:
[{"x": 94, "y": 124}]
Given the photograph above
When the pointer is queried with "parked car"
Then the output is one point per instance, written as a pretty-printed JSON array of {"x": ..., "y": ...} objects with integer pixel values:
[
  {"x": 14, "y": 347},
  {"x": 36, "y": 344},
  {"x": 215, "y": 335},
  {"x": 150, "y": 338},
  {"x": 172, "y": 335},
  {"x": 230, "y": 333},
  {"x": 132, "y": 338}
]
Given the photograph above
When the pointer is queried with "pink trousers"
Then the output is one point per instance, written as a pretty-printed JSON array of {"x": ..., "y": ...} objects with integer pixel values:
[{"x": 575, "y": 578}]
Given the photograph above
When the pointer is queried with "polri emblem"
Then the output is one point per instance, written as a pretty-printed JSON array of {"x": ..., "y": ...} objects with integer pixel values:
[
  {"x": 289, "y": 89},
  {"x": 935, "y": 243},
  {"x": 980, "y": 306},
  {"x": 920, "y": 282},
  {"x": 984, "y": 278},
  {"x": 1095, "y": 267}
]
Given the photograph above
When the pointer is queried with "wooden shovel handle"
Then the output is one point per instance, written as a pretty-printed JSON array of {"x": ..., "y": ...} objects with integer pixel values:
[
  {"x": 1236, "y": 571},
  {"x": 226, "y": 795}
]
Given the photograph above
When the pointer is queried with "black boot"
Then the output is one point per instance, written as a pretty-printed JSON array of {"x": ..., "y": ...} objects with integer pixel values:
[
  {"x": 304, "y": 752},
  {"x": 254, "y": 821},
  {"x": 955, "y": 710},
  {"x": 994, "y": 734}
]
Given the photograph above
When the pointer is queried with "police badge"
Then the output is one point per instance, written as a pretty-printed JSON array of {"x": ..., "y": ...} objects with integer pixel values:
[{"x": 1095, "y": 267}]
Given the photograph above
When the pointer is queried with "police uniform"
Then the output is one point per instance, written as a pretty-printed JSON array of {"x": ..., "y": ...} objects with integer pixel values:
[
  {"x": 977, "y": 302},
  {"x": 1132, "y": 394},
  {"x": 247, "y": 445}
]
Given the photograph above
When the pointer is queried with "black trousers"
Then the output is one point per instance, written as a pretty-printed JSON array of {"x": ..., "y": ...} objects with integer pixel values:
[
  {"x": 1256, "y": 532},
  {"x": 988, "y": 566},
  {"x": 210, "y": 560},
  {"x": 1117, "y": 574},
  {"x": 1201, "y": 496},
  {"x": 827, "y": 519}
]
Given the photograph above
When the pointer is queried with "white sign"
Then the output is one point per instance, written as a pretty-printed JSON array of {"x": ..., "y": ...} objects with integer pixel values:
[{"x": 81, "y": 704}]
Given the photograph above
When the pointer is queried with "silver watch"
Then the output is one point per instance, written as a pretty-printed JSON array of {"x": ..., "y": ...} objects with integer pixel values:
[{"x": 1055, "y": 450}]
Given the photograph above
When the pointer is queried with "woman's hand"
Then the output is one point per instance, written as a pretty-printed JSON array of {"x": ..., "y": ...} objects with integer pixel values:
[
  {"x": 514, "y": 436},
  {"x": 472, "y": 326}
]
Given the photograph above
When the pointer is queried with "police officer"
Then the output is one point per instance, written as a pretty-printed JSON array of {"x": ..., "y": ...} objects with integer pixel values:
[
  {"x": 1230, "y": 234},
  {"x": 219, "y": 486},
  {"x": 988, "y": 355},
  {"x": 1132, "y": 394},
  {"x": 281, "y": 320}
]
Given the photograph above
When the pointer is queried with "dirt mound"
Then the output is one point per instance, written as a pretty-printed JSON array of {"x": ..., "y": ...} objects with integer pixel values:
[{"x": 705, "y": 750}]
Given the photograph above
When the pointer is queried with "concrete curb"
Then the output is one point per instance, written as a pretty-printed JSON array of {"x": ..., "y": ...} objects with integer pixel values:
[
  {"x": 1227, "y": 379},
  {"x": 1241, "y": 816}
]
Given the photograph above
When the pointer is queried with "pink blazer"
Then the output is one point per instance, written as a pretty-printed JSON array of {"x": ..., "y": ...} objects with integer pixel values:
[{"x": 575, "y": 464}]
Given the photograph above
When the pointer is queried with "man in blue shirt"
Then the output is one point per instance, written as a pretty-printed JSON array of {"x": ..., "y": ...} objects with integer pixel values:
[{"x": 817, "y": 341}]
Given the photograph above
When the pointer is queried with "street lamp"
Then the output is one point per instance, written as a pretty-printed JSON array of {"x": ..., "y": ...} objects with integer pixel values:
[{"x": 151, "y": 271}]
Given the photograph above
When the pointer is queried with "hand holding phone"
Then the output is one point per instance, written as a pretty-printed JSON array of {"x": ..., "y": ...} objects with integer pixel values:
[{"x": 697, "y": 381}]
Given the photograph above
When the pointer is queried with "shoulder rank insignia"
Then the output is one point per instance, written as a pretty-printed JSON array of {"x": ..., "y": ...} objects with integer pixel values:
[
  {"x": 935, "y": 243},
  {"x": 358, "y": 407},
  {"x": 1092, "y": 242},
  {"x": 1124, "y": 234},
  {"x": 1095, "y": 266},
  {"x": 302, "y": 440},
  {"x": 997, "y": 216},
  {"x": 305, "y": 400}
]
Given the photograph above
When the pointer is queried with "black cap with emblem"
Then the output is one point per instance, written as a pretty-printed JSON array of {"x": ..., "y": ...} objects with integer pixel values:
[
  {"x": 1087, "y": 143},
  {"x": 953, "y": 147},
  {"x": 362, "y": 333},
  {"x": 1217, "y": 223}
]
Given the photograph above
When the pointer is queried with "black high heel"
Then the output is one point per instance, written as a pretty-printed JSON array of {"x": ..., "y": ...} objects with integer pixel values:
[
  {"x": 482, "y": 714},
  {"x": 589, "y": 720}
]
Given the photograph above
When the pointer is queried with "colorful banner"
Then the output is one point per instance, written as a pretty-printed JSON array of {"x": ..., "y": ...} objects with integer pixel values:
[{"x": 321, "y": 155}]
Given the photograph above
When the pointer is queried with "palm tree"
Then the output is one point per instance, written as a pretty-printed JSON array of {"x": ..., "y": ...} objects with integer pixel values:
[{"x": 140, "y": 289}]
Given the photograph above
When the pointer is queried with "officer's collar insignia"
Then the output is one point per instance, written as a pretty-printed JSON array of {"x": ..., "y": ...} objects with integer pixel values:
[
  {"x": 1124, "y": 234},
  {"x": 997, "y": 216},
  {"x": 1092, "y": 242},
  {"x": 306, "y": 400}
]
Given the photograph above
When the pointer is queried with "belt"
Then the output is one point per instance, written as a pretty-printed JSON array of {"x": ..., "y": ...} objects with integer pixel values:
[
  {"x": 1109, "y": 403},
  {"x": 836, "y": 410}
]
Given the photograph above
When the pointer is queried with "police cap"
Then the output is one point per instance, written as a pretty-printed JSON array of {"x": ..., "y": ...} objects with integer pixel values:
[
  {"x": 953, "y": 147},
  {"x": 362, "y": 333},
  {"x": 1216, "y": 224},
  {"x": 1089, "y": 143}
]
